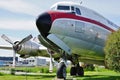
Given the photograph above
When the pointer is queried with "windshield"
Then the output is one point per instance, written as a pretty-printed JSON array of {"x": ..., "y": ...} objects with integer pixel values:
[
  {"x": 67, "y": 8},
  {"x": 63, "y": 7}
]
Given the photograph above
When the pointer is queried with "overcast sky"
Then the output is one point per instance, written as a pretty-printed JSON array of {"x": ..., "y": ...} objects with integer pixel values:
[{"x": 17, "y": 17}]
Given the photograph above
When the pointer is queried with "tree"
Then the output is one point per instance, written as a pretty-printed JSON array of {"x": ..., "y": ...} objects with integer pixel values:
[{"x": 112, "y": 51}]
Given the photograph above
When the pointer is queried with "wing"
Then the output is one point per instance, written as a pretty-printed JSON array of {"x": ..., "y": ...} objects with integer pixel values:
[{"x": 6, "y": 47}]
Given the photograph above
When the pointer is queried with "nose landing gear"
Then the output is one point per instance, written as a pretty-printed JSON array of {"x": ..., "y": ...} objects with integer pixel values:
[{"x": 61, "y": 72}]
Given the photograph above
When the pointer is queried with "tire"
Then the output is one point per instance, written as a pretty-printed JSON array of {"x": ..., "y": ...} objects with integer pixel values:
[
  {"x": 61, "y": 72},
  {"x": 80, "y": 71},
  {"x": 73, "y": 71}
]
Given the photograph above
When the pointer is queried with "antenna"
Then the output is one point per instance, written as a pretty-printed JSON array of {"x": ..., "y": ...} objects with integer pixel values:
[{"x": 81, "y": 2}]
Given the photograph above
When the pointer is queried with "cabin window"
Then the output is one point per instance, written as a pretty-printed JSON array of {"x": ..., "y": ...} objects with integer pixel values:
[
  {"x": 78, "y": 11},
  {"x": 63, "y": 7}
]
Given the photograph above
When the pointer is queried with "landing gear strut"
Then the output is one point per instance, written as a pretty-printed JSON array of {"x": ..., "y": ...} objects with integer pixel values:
[{"x": 61, "y": 72}]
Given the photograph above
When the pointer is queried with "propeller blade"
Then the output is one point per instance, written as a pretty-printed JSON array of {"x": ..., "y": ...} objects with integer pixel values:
[
  {"x": 25, "y": 39},
  {"x": 7, "y": 39},
  {"x": 14, "y": 61}
]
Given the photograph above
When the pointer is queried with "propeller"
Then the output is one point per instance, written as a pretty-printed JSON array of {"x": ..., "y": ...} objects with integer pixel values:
[{"x": 16, "y": 45}]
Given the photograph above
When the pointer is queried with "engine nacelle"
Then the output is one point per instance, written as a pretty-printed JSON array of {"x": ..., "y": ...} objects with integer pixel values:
[{"x": 28, "y": 49}]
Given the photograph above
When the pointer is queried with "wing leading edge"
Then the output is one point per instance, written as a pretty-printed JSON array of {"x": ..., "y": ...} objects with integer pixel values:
[{"x": 6, "y": 47}]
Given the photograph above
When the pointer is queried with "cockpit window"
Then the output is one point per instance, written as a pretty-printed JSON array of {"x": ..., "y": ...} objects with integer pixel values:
[
  {"x": 63, "y": 7},
  {"x": 72, "y": 8},
  {"x": 67, "y": 8},
  {"x": 78, "y": 11}
]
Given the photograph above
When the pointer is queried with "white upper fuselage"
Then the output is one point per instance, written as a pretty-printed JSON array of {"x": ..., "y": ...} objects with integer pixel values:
[{"x": 84, "y": 12}]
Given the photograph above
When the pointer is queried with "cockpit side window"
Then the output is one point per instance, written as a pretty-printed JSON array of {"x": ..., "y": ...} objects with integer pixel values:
[
  {"x": 78, "y": 11},
  {"x": 72, "y": 8},
  {"x": 60, "y": 7}
]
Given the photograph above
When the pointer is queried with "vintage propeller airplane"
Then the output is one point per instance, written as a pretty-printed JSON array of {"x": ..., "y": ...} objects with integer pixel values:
[
  {"x": 72, "y": 32},
  {"x": 76, "y": 33}
]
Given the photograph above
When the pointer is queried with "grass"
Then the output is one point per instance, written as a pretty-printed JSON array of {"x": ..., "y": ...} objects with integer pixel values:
[
  {"x": 104, "y": 75},
  {"x": 41, "y": 69},
  {"x": 28, "y": 77},
  {"x": 98, "y": 74},
  {"x": 89, "y": 75}
]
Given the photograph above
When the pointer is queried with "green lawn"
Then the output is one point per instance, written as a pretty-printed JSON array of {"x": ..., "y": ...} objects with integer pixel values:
[
  {"x": 89, "y": 75},
  {"x": 43, "y": 74},
  {"x": 28, "y": 77},
  {"x": 104, "y": 75}
]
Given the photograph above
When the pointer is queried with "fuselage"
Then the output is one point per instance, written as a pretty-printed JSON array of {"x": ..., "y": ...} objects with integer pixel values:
[{"x": 80, "y": 28}]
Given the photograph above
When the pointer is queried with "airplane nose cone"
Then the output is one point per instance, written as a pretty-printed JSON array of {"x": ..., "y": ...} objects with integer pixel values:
[{"x": 44, "y": 24}]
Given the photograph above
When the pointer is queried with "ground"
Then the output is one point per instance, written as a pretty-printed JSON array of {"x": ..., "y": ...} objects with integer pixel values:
[
  {"x": 98, "y": 74},
  {"x": 89, "y": 75}
]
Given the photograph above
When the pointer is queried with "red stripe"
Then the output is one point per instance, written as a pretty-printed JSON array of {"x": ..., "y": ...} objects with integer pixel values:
[{"x": 55, "y": 15}]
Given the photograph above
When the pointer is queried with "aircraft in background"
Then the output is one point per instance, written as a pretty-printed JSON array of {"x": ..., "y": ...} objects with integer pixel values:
[{"x": 72, "y": 32}]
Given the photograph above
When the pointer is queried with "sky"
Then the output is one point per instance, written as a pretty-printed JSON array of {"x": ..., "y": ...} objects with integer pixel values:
[{"x": 17, "y": 17}]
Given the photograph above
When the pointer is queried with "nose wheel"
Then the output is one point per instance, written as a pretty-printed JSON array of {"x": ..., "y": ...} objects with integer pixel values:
[{"x": 61, "y": 72}]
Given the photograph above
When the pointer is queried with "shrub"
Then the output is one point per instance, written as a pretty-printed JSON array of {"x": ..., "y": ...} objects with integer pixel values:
[
  {"x": 41, "y": 70},
  {"x": 89, "y": 67},
  {"x": 112, "y": 51},
  {"x": 12, "y": 72},
  {"x": 1, "y": 74}
]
